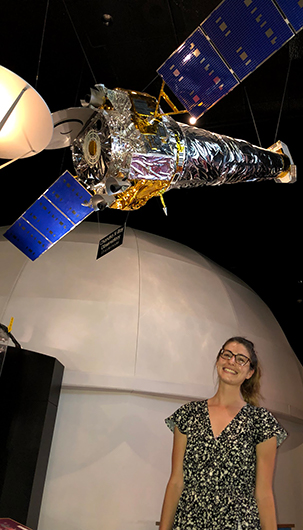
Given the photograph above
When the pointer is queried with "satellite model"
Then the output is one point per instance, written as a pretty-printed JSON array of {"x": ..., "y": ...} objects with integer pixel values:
[{"x": 126, "y": 150}]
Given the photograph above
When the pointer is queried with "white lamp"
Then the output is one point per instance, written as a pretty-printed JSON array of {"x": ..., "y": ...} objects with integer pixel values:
[{"x": 26, "y": 124}]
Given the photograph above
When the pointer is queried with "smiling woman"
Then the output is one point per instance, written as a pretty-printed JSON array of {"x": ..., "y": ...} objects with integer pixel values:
[
  {"x": 224, "y": 452},
  {"x": 250, "y": 386}
]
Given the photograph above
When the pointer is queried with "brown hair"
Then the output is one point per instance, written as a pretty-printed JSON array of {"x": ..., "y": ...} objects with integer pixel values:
[{"x": 250, "y": 388}]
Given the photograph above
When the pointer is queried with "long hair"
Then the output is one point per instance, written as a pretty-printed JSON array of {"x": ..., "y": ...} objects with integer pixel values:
[{"x": 250, "y": 388}]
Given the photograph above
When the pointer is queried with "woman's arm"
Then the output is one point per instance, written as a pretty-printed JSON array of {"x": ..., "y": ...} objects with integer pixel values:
[
  {"x": 175, "y": 484},
  {"x": 266, "y": 454}
]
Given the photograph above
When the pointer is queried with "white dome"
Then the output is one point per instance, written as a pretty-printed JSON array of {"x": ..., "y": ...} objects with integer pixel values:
[{"x": 149, "y": 316}]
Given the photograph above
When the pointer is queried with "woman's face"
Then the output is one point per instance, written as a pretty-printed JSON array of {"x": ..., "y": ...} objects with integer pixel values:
[{"x": 229, "y": 371}]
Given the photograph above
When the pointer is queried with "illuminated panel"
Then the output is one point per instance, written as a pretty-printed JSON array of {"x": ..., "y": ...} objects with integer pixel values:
[
  {"x": 197, "y": 75},
  {"x": 293, "y": 11},
  {"x": 247, "y": 32},
  {"x": 51, "y": 217}
]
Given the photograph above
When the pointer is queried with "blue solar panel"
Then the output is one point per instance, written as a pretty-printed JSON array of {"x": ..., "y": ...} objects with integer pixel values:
[
  {"x": 52, "y": 216},
  {"x": 247, "y": 32},
  {"x": 46, "y": 218},
  {"x": 27, "y": 239},
  {"x": 69, "y": 196},
  {"x": 197, "y": 75},
  {"x": 293, "y": 9}
]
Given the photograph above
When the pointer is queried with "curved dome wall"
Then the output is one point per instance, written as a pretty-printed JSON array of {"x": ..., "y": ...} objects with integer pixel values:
[{"x": 148, "y": 317}]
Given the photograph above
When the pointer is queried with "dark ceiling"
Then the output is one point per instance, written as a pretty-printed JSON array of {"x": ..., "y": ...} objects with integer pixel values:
[{"x": 62, "y": 47}]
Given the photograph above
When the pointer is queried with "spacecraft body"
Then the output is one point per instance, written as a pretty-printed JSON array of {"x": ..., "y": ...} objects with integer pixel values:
[
  {"x": 128, "y": 152},
  {"x": 125, "y": 151}
]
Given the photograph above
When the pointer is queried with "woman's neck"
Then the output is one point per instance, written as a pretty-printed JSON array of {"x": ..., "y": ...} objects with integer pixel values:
[{"x": 227, "y": 396}]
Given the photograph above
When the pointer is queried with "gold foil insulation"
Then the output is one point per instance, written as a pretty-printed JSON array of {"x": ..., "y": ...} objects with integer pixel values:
[
  {"x": 289, "y": 173},
  {"x": 138, "y": 194}
]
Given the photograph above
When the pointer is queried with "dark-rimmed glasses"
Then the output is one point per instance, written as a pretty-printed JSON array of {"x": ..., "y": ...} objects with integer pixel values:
[{"x": 240, "y": 359}]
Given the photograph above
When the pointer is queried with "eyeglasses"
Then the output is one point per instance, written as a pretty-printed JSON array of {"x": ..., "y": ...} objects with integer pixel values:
[{"x": 240, "y": 359}]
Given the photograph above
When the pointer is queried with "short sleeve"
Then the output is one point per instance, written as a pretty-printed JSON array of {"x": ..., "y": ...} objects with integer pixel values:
[
  {"x": 180, "y": 418},
  {"x": 266, "y": 426}
]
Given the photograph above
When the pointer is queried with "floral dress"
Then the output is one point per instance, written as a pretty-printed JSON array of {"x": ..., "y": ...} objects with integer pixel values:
[{"x": 220, "y": 473}]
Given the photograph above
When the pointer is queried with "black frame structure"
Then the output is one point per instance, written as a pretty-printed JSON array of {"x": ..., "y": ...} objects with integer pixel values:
[{"x": 30, "y": 386}]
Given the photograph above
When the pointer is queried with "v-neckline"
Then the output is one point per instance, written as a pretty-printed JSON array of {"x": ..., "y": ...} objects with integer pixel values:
[{"x": 228, "y": 424}]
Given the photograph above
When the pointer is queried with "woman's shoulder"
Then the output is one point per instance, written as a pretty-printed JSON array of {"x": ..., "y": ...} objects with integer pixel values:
[
  {"x": 186, "y": 415},
  {"x": 265, "y": 424},
  {"x": 198, "y": 403},
  {"x": 257, "y": 410},
  {"x": 193, "y": 406},
  {"x": 195, "y": 403}
]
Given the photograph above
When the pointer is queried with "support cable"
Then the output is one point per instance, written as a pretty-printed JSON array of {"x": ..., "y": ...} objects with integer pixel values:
[
  {"x": 282, "y": 102},
  {"x": 41, "y": 44},
  {"x": 253, "y": 118},
  {"x": 79, "y": 40}
]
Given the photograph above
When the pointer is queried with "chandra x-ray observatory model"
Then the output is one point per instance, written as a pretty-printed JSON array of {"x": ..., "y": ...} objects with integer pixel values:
[{"x": 125, "y": 149}]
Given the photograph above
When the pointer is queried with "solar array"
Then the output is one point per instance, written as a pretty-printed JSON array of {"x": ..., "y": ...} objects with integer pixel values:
[
  {"x": 236, "y": 38},
  {"x": 60, "y": 209}
]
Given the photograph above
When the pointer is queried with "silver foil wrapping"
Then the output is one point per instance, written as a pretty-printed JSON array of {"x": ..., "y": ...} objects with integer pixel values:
[
  {"x": 212, "y": 159},
  {"x": 151, "y": 167},
  {"x": 128, "y": 153},
  {"x": 120, "y": 140}
]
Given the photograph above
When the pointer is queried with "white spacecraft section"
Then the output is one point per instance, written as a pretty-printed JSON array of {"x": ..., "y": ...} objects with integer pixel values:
[{"x": 148, "y": 317}]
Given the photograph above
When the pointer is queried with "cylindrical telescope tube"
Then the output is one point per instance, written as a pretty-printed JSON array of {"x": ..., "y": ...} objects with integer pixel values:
[{"x": 212, "y": 159}]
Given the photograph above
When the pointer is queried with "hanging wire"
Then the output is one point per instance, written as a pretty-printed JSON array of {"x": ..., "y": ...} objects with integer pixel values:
[
  {"x": 79, "y": 40},
  {"x": 154, "y": 79},
  {"x": 99, "y": 220},
  {"x": 99, "y": 223},
  {"x": 175, "y": 35},
  {"x": 173, "y": 23},
  {"x": 75, "y": 103},
  {"x": 253, "y": 118},
  {"x": 282, "y": 102},
  {"x": 41, "y": 44},
  {"x": 126, "y": 218}
]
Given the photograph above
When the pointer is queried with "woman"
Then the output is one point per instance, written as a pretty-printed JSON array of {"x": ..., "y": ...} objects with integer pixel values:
[{"x": 224, "y": 452}]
